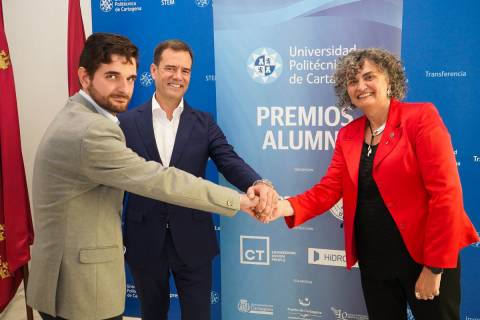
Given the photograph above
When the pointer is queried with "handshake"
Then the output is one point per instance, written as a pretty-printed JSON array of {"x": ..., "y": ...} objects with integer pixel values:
[{"x": 263, "y": 203}]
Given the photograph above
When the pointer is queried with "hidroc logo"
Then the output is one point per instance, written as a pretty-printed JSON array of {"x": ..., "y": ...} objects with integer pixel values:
[
  {"x": 146, "y": 79},
  {"x": 255, "y": 250},
  {"x": 327, "y": 257},
  {"x": 202, "y": 3},
  {"x": 264, "y": 65},
  {"x": 106, "y": 5}
]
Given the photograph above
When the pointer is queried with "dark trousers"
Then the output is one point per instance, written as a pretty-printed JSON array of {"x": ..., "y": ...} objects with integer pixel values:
[
  {"x": 49, "y": 317},
  {"x": 194, "y": 285},
  {"x": 388, "y": 298}
]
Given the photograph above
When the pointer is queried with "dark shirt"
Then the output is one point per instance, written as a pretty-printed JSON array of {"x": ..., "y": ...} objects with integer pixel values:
[{"x": 380, "y": 248}]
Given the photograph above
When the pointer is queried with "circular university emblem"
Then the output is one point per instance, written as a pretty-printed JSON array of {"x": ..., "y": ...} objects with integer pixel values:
[
  {"x": 146, "y": 79},
  {"x": 264, "y": 65},
  {"x": 337, "y": 210},
  {"x": 202, "y": 3},
  {"x": 106, "y": 5},
  {"x": 243, "y": 305}
]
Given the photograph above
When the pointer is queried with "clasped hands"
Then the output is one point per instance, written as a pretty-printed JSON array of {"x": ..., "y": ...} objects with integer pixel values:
[{"x": 262, "y": 203}]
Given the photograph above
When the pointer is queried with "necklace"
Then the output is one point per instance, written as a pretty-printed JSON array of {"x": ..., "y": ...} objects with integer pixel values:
[{"x": 374, "y": 133}]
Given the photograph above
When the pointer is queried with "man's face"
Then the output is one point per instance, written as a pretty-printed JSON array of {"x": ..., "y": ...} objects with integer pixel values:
[
  {"x": 172, "y": 76},
  {"x": 112, "y": 84}
]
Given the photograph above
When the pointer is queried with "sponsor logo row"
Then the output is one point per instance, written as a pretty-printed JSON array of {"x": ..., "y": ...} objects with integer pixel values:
[
  {"x": 256, "y": 250},
  {"x": 303, "y": 310}
]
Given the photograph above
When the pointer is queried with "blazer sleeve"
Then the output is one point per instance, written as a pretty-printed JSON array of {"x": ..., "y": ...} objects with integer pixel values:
[
  {"x": 445, "y": 222},
  {"x": 324, "y": 194},
  {"x": 228, "y": 162},
  {"x": 106, "y": 160}
]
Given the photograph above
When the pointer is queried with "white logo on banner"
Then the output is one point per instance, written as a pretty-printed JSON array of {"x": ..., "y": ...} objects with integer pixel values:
[
  {"x": 337, "y": 210},
  {"x": 243, "y": 306},
  {"x": 304, "y": 311},
  {"x": 146, "y": 79},
  {"x": 264, "y": 65},
  {"x": 304, "y": 302},
  {"x": 255, "y": 308},
  {"x": 327, "y": 257},
  {"x": 202, "y": 3},
  {"x": 343, "y": 315},
  {"x": 255, "y": 250},
  {"x": 106, "y": 5},
  {"x": 476, "y": 244},
  {"x": 214, "y": 297}
]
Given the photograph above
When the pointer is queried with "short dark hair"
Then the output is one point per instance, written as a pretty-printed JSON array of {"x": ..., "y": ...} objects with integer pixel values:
[
  {"x": 175, "y": 45},
  {"x": 100, "y": 47}
]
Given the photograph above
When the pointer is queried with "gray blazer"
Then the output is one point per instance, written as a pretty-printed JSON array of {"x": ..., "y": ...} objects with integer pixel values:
[{"x": 82, "y": 168}]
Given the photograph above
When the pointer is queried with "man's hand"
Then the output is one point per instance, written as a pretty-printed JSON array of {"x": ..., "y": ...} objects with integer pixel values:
[
  {"x": 428, "y": 285},
  {"x": 248, "y": 204},
  {"x": 268, "y": 198}
]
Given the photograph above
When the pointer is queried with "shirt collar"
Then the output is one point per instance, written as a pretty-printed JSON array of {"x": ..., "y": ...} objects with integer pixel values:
[
  {"x": 157, "y": 109},
  {"x": 99, "y": 109}
]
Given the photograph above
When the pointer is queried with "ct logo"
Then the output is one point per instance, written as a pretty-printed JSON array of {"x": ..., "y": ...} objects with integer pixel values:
[
  {"x": 106, "y": 5},
  {"x": 254, "y": 250}
]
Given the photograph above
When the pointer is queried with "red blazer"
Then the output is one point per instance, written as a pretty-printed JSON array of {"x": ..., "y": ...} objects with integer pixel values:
[{"x": 416, "y": 173}]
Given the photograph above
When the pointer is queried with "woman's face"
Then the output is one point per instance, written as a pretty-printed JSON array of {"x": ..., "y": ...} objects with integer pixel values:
[{"x": 368, "y": 90}]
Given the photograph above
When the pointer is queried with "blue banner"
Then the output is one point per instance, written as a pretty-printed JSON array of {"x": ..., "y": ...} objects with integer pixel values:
[
  {"x": 147, "y": 23},
  {"x": 440, "y": 45},
  {"x": 274, "y": 61},
  {"x": 274, "y": 65}
]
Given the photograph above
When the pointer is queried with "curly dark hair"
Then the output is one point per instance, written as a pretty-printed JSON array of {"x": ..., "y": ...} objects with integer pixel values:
[
  {"x": 350, "y": 65},
  {"x": 100, "y": 47}
]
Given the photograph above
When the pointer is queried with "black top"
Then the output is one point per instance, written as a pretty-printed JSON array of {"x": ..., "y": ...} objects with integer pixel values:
[{"x": 380, "y": 248}]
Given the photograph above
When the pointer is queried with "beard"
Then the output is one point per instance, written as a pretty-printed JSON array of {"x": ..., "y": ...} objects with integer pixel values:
[{"x": 108, "y": 102}]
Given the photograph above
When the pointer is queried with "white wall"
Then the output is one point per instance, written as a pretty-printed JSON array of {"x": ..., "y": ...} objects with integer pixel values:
[{"x": 37, "y": 37}]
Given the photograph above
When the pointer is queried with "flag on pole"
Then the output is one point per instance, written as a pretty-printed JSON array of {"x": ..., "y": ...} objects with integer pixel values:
[
  {"x": 76, "y": 40},
  {"x": 16, "y": 230}
]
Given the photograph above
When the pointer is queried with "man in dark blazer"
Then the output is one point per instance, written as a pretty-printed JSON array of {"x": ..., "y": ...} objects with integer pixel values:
[{"x": 163, "y": 239}]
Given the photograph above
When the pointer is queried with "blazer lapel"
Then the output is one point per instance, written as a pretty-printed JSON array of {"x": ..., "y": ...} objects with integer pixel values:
[
  {"x": 352, "y": 148},
  {"x": 145, "y": 129},
  {"x": 187, "y": 121},
  {"x": 392, "y": 134}
]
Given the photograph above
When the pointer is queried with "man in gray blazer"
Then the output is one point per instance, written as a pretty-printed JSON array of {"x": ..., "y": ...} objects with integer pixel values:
[{"x": 82, "y": 168}]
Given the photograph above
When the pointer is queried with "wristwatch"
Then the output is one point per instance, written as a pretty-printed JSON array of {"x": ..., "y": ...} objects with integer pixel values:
[
  {"x": 264, "y": 181},
  {"x": 435, "y": 270}
]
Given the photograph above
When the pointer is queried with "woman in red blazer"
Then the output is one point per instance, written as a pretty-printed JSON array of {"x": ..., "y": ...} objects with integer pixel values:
[{"x": 395, "y": 169}]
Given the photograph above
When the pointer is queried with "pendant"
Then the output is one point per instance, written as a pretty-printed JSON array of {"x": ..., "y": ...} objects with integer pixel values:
[{"x": 369, "y": 150}]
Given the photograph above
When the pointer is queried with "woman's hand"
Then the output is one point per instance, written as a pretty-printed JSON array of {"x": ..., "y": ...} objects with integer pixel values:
[
  {"x": 428, "y": 285},
  {"x": 283, "y": 209}
]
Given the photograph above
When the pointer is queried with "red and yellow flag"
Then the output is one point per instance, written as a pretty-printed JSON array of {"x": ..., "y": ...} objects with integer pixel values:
[
  {"x": 16, "y": 231},
  {"x": 76, "y": 40}
]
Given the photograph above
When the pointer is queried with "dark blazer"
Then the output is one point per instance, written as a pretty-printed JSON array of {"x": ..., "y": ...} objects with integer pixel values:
[
  {"x": 198, "y": 138},
  {"x": 416, "y": 173}
]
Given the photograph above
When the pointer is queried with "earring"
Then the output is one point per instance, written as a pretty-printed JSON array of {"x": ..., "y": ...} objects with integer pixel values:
[
  {"x": 346, "y": 109},
  {"x": 389, "y": 92}
]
